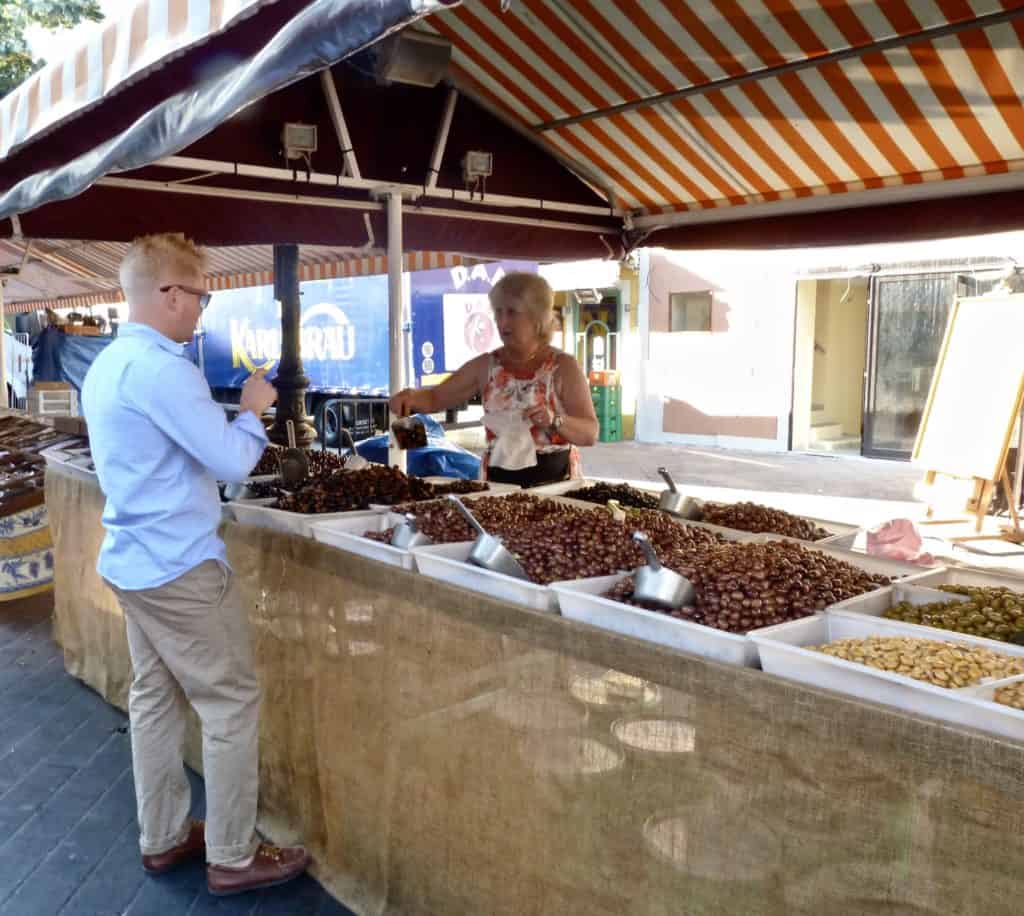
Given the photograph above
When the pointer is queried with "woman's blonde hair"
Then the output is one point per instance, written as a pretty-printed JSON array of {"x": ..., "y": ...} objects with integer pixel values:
[
  {"x": 151, "y": 257},
  {"x": 533, "y": 293}
]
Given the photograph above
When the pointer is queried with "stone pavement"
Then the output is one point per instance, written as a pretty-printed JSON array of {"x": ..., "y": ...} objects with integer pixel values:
[{"x": 68, "y": 835}]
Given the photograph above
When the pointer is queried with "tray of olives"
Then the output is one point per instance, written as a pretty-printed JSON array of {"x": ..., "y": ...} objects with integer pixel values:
[
  {"x": 963, "y": 581},
  {"x": 937, "y": 675},
  {"x": 257, "y": 513},
  {"x": 996, "y": 621},
  {"x": 584, "y": 600},
  {"x": 352, "y": 533}
]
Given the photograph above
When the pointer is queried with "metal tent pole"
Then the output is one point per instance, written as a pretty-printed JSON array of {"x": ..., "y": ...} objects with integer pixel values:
[{"x": 396, "y": 357}]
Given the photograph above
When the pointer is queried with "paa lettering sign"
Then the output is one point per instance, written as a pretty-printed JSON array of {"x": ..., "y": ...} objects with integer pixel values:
[{"x": 451, "y": 314}]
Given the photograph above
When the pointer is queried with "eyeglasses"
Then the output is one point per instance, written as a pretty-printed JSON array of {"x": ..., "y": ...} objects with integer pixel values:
[{"x": 203, "y": 296}]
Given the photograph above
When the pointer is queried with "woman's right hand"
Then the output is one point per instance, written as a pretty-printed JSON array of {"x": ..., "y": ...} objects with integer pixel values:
[{"x": 405, "y": 402}]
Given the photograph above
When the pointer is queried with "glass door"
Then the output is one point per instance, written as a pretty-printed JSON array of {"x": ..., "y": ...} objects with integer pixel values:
[{"x": 907, "y": 320}]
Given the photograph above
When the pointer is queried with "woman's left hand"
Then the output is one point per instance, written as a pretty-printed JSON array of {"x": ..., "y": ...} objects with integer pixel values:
[{"x": 539, "y": 416}]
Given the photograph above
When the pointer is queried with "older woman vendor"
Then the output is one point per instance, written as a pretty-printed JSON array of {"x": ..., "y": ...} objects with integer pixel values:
[{"x": 537, "y": 405}]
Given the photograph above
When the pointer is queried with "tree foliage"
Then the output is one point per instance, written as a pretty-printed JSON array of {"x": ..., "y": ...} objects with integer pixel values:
[{"x": 16, "y": 16}]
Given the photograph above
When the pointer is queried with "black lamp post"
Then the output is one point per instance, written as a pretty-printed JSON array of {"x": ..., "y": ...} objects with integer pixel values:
[{"x": 291, "y": 381}]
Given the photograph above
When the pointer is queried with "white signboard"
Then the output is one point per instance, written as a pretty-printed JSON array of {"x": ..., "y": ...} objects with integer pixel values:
[{"x": 469, "y": 328}]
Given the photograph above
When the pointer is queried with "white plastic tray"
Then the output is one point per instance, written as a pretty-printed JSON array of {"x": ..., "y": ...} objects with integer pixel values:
[
  {"x": 247, "y": 512},
  {"x": 876, "y": 565},
  {"x": 951, "y": 575},
  {"x": 993, "y": 716},
  {"x": 497, "y": 489},
  {"x": 565, "y": 488},
  {"x": 874, "y": 604},
  {"x": 347, "y": 534},
  {"x": 581, "y": 600},
  {"x": 447, "y": 563},
  {"x": 782, "y": 652},
  {"x": 79, "y": 466}
]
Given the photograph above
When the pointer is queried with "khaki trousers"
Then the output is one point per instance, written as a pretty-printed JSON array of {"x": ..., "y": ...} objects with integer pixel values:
[{"x": 189, "y": 643}]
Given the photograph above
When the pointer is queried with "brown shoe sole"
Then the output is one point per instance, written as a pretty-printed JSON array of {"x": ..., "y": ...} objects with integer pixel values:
[{"x": 232, "y": 892}]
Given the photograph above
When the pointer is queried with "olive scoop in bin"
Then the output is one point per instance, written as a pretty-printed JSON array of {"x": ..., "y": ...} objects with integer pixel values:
[
  {"x": 406, "y": 535},
  {"x": 653, "y": 584},
  {"x": 675, "y": 503},
  {"x": 488, "y": 552}
]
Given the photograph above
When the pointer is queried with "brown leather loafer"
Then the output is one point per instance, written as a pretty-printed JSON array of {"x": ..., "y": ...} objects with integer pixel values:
[
  {"x": 272, "y": 865},
  {"x": 194, "y": 847}
]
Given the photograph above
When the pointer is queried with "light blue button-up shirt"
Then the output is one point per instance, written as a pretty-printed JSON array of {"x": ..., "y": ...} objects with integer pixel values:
[{"x": 160, "y": 444}]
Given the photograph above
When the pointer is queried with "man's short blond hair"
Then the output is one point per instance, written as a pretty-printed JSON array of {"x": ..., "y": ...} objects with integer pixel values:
[
  {"x": 151, "y": 258},
  {"x": 533, "y": 293}
]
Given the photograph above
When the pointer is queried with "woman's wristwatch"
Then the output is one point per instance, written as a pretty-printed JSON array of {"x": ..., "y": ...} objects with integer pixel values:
[{"x": 556, "y": 422}]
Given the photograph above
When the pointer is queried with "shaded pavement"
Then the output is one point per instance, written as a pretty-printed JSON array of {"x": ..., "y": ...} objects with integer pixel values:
[{"x": 68, "y": 834}]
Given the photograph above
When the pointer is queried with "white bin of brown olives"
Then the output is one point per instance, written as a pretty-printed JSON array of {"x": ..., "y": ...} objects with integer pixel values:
[
  {"x": 583, "y": 600},
  {"x": 938, "y": 615},
  {"x": 794, "y": 651},
  {"x": 351, "y": 535}
]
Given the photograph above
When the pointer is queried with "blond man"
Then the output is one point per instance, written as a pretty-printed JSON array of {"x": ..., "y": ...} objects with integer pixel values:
[{"x": 160, "y": 445}]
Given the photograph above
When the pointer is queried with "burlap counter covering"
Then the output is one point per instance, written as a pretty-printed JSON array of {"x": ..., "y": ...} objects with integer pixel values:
[{"x": 447, "y": 754}]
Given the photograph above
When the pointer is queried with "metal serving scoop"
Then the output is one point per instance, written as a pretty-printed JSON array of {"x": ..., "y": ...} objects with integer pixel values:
[
  {"x": 352, "y": 460},
  {"x": 488, "y": 552},
  {"x": 676, "y": 503},
  {"x": 293, "y": 461},
  {"x": 656, "y": 585},
  {"x": 406, "y": 535}
]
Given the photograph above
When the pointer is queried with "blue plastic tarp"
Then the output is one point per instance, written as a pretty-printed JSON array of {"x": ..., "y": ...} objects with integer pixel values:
[
  {"x": 438, "y": 458},
  {"x": 60, "y": 357}
]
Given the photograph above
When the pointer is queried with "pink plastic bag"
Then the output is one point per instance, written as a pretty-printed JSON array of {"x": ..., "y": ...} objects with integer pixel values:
[{"x": 899, "y": 539}]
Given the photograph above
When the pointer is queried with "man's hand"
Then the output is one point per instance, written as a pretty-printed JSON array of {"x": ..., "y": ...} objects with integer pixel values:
[{"x": 257, "y": 393}]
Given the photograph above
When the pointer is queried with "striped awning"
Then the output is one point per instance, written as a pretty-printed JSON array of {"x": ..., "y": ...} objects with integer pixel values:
[
  {"x": 718, "y": 109},
  {"x": 75, "y": 274},
  {"x": 117, "y": 52}
]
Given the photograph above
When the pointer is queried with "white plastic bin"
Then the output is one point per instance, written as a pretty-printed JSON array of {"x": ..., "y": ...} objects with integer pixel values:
[
  {"x": 874, "y": 604},
  {"x": 250, "y": 512},
  {"x": 347, "y": 534},
  {"x": 582, "y": 600},
  {"x": 952, "y": 575},
  {"x": 448, "y": 563},
  {"x": 783, "y": 653}
]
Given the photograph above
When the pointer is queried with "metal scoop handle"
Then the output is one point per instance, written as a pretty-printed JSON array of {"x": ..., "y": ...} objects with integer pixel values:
[
  {"x": 467, "y": 515},
  {"x": 649, "y": 554},
  {"x": 290, "y": 426},
  {"x": 668, "y": 479},
  {"x": 410, "y": 520}
]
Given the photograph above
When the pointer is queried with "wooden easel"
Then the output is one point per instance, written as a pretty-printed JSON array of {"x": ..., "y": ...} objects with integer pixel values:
[{"x": 976, "y": 398}]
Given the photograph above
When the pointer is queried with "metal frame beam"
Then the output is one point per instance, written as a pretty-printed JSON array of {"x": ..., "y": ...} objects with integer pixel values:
[
  {"x": 324, "y": 179},
  {"x": 138, "y": 184}
]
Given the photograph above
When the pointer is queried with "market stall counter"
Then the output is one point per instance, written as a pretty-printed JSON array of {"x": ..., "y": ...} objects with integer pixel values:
[{"x": 444, "y": 752}]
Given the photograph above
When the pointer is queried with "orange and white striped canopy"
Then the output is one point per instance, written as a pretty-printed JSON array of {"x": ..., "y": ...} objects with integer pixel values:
[
  {"x": 76, "y": 274},
  {"x": 771, "y": 108}
]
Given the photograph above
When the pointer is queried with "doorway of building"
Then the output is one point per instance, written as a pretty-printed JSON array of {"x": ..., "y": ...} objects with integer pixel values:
[
  {"x": 828, "y": 371},
  {"x": 865, "y": 352}
]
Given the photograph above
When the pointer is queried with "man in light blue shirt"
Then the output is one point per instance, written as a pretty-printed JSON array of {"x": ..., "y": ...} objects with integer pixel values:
[{"x": 160, "y": 444}]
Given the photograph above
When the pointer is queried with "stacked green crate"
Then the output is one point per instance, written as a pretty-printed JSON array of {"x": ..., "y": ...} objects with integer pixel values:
[{"x": 608, "y": 406}]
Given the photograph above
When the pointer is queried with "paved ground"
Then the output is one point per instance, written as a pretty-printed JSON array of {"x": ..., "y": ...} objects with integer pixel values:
[
  {"x": 68, "y": 836},
  {"x": 796, "y": 472}
]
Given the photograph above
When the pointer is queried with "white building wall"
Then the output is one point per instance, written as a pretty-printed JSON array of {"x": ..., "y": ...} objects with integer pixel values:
[{"x": 733, "y": 386}]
